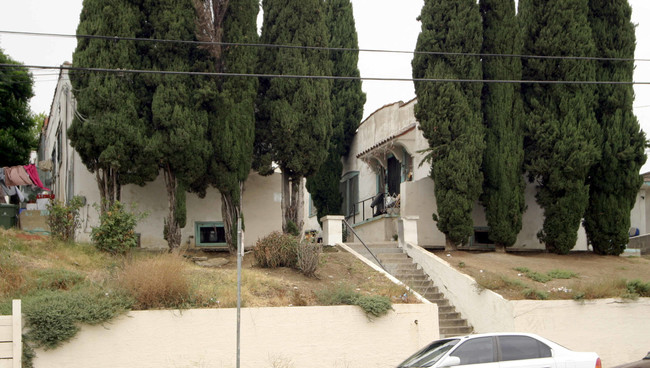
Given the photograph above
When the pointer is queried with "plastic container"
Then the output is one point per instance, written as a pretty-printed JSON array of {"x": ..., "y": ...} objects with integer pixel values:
[{"x": 8, "y": 214}]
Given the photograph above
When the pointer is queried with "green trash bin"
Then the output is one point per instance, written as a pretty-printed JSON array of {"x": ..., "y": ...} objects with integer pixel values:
[{"x": 8, "y": 213}]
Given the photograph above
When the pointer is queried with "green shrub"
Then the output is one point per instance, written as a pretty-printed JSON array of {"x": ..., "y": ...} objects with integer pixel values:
[
  {"x": 64, "y": 219},
  {"x": 116, "y": 231},
  {"x": 343, "y": 294},
  {"x": 638, "y": 287},
  {"x": 375, "y": 305},
  {"x": 539, "y": 277},
  {"x": 53, "y": 317},
  {"x": 308, "y": 257},
  {"x": 276, "y": 250},
  {"x": 58, "y": 279}
]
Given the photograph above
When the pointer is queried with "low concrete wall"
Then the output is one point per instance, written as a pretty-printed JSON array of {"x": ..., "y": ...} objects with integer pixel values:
[
  {"x": 377, "y": 229},
  {"x": 297, "y": 337},
  {"x": 641, "y": 242},
  {"x": 616, "y": 330}
]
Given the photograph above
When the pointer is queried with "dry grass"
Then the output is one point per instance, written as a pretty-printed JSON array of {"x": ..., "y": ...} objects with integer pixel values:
[{"x": 160, "y": 281}]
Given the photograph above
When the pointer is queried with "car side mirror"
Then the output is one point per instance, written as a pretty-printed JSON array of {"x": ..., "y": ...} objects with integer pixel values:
[{"x": 450, "y": 361}]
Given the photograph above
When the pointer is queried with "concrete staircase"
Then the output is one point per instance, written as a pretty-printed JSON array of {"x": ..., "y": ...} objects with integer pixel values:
[{"x": 402, "y": 267}]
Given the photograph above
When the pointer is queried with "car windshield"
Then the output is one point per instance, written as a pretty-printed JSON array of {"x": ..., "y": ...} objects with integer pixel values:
[{"x": 430, "y": 354}]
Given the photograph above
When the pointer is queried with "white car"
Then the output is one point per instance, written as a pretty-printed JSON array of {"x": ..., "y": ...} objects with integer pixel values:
[{"x": 500, "y": 350}]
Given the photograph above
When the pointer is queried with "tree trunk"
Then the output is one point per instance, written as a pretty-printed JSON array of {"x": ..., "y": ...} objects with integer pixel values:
[
  {"x": 450, "y": 246},
  {"x": 172, "y": 230},
  {"x": 292, "y": 204},
  {"x": 499, "y": 248},
  {"x": 109, "y": 188},
  {"x": 230, "y": 212}
]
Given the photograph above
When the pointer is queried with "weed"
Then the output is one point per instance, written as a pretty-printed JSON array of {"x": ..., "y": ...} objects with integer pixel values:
[
  {"x": 561, "y": 274},
  {"x": 461, "y": 264},
  {"x": 535, "y": 294},
  {"x": 539, "y": 277},
  {"x": 157, "y": 282},
  {"x": 374, "y": 305},
  {"x": 11, "y": 277},
  {"x": 58, "y": 279}
]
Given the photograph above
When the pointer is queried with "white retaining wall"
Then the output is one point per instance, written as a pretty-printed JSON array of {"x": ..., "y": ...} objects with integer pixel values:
[
  {"x": 341, "y": 336},
  {"x": 619, "y": 331}
]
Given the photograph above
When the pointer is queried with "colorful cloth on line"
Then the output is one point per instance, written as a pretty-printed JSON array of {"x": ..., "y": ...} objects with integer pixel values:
[
  {"x": 33, "y": 174},
  {"x": 17, "y": 175}
]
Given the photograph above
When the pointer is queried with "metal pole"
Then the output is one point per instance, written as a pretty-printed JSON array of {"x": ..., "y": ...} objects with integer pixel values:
[{"x": 239, "y": 255}]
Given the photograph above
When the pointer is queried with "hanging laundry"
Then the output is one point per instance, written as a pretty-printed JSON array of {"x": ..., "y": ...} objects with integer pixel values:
[
  {"x": 33, "y": 174},
  {"x": 8, "y": 190},
  {"x": 17, "y": 175}
]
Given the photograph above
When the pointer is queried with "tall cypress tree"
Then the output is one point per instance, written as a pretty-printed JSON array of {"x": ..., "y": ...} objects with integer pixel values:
[
  {"x": 347, "y": 107},
  {"x": 110, "y": 130},
  {"x": 450, "y": 112},
  {"x": 178, "y": 123},
  {"x": 232, "y": 113},
  {"x": 294, "y": 119},
  {"x": 503, "y": 190},
  {"x": 562, "y": 134},
  {"x": 614, "y": 180}
]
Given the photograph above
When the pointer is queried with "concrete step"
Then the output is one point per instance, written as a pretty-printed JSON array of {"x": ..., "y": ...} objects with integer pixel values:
[
  {"x": 459, "y": 322},
  {"x": 455, "y": 331},
  {"x": 448, "y": 315}
]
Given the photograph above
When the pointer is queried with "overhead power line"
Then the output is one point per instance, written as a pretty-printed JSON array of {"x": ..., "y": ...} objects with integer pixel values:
[
  {"x": 342, "y": 49},
  {"x": 327, "y": 77}
]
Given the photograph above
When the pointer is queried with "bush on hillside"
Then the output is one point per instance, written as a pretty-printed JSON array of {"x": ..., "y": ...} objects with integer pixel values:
[
  {"x": 116, "y": 231},
  {"x": 276, "y": 250},
  {"x": 64, "y": 218}
]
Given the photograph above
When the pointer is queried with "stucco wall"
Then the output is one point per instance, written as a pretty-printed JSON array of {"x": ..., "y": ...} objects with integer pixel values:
[
  {"x": 262, "y": 210},
  {"x": 379, "y": 229},
  {"x": 616, "y": 330},
  {"x": 315, "y": 337}
]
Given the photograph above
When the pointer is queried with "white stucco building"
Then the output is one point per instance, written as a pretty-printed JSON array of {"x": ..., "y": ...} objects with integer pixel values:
[
  {"x": 389, "y": 144},
  {"x": 69, "y": 177}
]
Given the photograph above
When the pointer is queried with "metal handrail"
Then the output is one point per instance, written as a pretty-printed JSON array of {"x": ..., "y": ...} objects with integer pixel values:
[
  {"x": 362, "y": 202},
  {"x": 365, "y": 246}
]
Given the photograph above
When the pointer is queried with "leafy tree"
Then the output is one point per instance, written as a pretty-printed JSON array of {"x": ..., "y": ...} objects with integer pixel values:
[
  {"x": 16, "y": 121},
  {"x": 179, "y": 123},
  {"x": 110, "y": 129},
  {"x": 503, "y": 189},
  {"x": 614, "y": 180},
  {"x": 562, "y": 134},
  {"x": 347, "y": 100},
  {"x": 231, "y": 130},
  {"x": 450, "y": 112},
  {"x": 294, "y": 118}
]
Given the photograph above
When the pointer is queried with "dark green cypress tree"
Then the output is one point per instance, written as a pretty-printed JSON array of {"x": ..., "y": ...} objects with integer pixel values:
[
  {"x": 347, "y": 108},
  {"x": 232, "y": 115},
  {"x": 178, "y": 124},
  {"x": 450, "y": 112},
  {"x": 110, "y": 130},
  {"x": 294, "y": 120},
  {"x": 16, "y": 122},
  {"x": 562, "y": 134},
  {"x": 614, "y": 180},
  {"x": 503, "y": 189}
]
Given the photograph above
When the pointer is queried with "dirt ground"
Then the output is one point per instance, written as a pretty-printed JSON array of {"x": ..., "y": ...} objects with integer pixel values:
[
  {"x": 592, "y": 271},
  {"x": 336, "y": 267}
]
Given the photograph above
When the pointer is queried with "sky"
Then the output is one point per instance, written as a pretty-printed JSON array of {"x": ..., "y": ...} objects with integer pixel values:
[{"x": 381, "y": 25}]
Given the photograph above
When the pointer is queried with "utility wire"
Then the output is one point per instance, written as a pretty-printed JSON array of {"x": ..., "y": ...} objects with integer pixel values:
[
  {"x": 342, "y": 49},
  {"x": 326, "y": 77}
]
